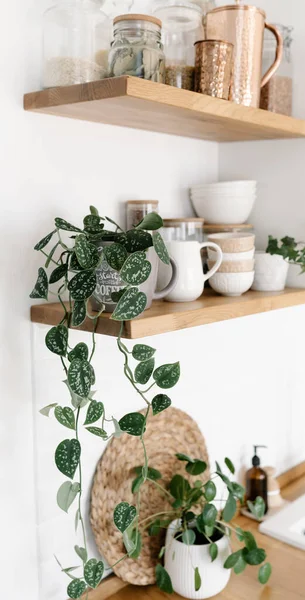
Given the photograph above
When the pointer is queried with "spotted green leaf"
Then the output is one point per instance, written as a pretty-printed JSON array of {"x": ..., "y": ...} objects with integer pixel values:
[
  {"x": 94, "y": 412},
  {"x": 136, "y": 269},
  {"x": 58, "y": 273},
  {"x": 51, "y": 254},
  {"x": 135, "y": 240},
  {"x": 115, "y": 255},
  {"x": 74, "y": 264},
  {"x": 142, "y": 352},
  {"x": 131, "y": 305},
  {"x": 65, "y": 416},
  {"x": 82, "y": 285},
  {"x": 65, "y": 226},
  {"x": 93, "y": 572},
  {"x": 264, "y": 573},
  {"x": 124, "y": 514},
  {"x": 81, "y": 351},
  {"x": 151, "y": 222},
  {"x": 78, "y": 313},
  {"x": 67, "y": 494},
  {"x": 45, "y": 411},
  {"x": 197, "y": 579},
  {"x": 143, "y": 371},
  {"x": 76, "y": 588},
  {"x": 98, "y": 432},
  {"x": 80, "y": 377},
  {"x": 133, "y": 423},
  {"x": 160, "y": 248},
  {"x": 160, "y": 403},
  {"x": 41, "y": 287},
  {"x": 87, "y": 255},
  {"x": 167, "y": 376},
  {"x": 67, "y": 457},
  {"x": 92, "y": 221},
  {"x": 163, "y": 580},
  {"x": 57, "y": 340},
  {"x": 44, "y": 241}
]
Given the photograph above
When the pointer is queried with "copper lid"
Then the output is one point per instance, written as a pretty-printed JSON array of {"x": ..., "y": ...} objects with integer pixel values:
[
  {"x": 136, "y": 17},
  {"x": 238, "y": 7},
  {"x": 214, "y": 42},
  {"x": 154, "y": 202}
]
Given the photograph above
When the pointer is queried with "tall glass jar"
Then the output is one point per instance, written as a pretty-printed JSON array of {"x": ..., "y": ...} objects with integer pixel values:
[
  {"x": 182, "y": 27},
  {"x": 276, "y": 95},
  {"x": 136, "y": 48},
  {"x": 136, "y": 210},
  {"x": 75, "y": 43}
]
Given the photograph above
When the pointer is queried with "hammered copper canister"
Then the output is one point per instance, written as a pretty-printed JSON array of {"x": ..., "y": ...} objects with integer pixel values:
[
  {"x": 244, "y": 27},
  {"x": 213, "y": 68}
]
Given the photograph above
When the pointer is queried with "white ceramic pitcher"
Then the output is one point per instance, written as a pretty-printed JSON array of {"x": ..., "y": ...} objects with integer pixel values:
[{"x": 191, "y": 279}]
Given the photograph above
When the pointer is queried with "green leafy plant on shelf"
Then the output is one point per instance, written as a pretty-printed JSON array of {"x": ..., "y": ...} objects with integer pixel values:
[
  {"x": 289, "y": 249},
  {"x": 200, "y": 522},
  {"x": 75, "y": 264}
]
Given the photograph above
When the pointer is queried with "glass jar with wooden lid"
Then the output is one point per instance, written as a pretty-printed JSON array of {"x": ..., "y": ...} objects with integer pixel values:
[
  {"x": 183, "y": 229},
  {"x": 208, "y": 229},
  {"x": 136, "y": 210},
  {"x": 137, "y": 49}
]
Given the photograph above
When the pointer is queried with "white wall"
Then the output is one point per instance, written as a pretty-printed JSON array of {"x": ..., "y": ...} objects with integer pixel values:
[{"x": 241, "y": 383}]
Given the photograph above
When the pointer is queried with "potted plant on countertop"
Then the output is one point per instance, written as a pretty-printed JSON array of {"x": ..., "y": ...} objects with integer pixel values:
[
  {"x": 271, "y": 267},
  {"x": 197, "y": 553},
  {"x": 77, "y": 258}
]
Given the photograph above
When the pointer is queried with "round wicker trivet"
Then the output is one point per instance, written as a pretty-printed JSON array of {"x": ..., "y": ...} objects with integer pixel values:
[{"x": 169, "y": 432}]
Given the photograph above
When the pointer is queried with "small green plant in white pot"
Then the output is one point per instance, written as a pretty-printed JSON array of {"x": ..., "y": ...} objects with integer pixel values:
[{"x": 271, "y": 267}]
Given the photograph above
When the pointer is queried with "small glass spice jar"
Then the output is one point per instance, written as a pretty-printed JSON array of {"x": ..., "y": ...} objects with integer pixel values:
[
  {"x": 183, "y": 230},
  {"x": 213, "y": 68},
  {"x": 277, "y": 94},
  {"x": 182, "y": 27},
  {"x": 137, "y": 49},
  {"x": 136, "y": 210}
]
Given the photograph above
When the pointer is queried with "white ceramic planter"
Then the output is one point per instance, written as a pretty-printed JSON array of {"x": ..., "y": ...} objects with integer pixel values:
[
  {"x": 180, "y": 560},
  {"x": 270, "y": 272}
]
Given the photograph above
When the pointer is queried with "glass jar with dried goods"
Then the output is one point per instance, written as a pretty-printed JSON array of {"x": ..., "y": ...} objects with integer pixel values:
[
  {"x": 136, "y": 210},
  {"x": 276, "y": 95},
  {"x": 137, "y": 49},
  {"x": 182, "y": 27},
  {"x": 76, "y": 42}
]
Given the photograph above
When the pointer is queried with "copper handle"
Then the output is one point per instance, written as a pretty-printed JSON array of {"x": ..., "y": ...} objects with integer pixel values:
[{"x": 278, "y": 56}]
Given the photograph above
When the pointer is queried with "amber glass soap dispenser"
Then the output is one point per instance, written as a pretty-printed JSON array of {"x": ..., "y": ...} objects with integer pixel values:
[{"x": 256, "y": 480}]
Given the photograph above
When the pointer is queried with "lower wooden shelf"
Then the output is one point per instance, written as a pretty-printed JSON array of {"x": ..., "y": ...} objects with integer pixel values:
[{"x": 164, "y": 317}]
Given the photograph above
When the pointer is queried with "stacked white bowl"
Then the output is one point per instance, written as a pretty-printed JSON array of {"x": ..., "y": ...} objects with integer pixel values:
[
  {"x": 236, "y": 273},
  {"x": 226, "y": 202}
]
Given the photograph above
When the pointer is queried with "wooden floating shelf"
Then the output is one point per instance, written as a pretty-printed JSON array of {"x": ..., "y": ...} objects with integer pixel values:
[
  {"x": 140, "y": 104},
  {"x": 165, "y": 317}
]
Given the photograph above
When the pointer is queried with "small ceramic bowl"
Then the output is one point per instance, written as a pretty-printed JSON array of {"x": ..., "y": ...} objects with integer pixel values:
[
  {"x": 231, "y": 284},
  {"x": 233, "y": 242},
  {"x": 229, "y": 257},
  {"x": 235, "y": 266}
]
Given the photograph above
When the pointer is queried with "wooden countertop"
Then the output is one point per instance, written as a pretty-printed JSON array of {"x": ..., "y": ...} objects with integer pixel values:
[{"x": 287, "y": 581}]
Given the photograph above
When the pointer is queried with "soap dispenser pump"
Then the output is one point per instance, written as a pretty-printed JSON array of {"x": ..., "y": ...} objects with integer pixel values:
[{"x": 256, "y": 480}]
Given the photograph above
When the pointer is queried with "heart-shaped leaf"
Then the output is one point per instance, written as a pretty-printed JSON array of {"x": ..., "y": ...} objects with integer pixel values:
[
  {"x": 74, "y": 264},
  {"x": 80, "y": 377},
  {"x": 196, "y": 467},
  {"x": 142, "y": 352},
  {"x": 81, "y": 552},
  {"x": 65, "y": 416},
  {"x": 45, "y": 411},
  {"x": 76, "y": 588},
  {"x": 58, "y": 273},
  {"x": 115, "y": 255},
  {"x": 160, "y": 248},
  {"x": 133, "y": 423},
  {"x": 79, "y": 313},
  {"x": 257, "y": 508},
  {"x": 150, "y": 222},
  {"x": 44, "y": 241},
  {"x": 213, "y": 550},
  {"x": 98, "y": 432},
  {"x": 81, "y": 351},
  {"x": 209, "y": 491},
  {"x": 167, "y": 376},
  {"x": 41, "y": 287},
  {"x": 82, "y": 285},
  {"x": 57, "y": 340},
  {"x": 131, "y": 305},
  {"x": 93, "y": 572},
  {"x": 159, "y": 403},
  {"x": 87, "y": 254},
  {"x": 197, "y": 580},
  {"x": 67, "y": 494},
  {"x": 67, "y": 455},
  {"x": 144, "y": 370},
  {"x": 65, "y": 226},
  {"x": 229, "y": 509},
  {"x": 189, "y": 537},
  {"x": 92, "y": 221},
  {"x": 163, "y": 580},
  {"x": 124, "y": 514},
  {"x": 264, "y": 573},
  {"x": 135, "y": 240},
  {"x": 136, "y": 269},
  {"x": 94, "y": 412}
]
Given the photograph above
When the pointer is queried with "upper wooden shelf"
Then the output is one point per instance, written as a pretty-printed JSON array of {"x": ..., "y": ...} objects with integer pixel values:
[
  {"x": 164, "y": 317},
  {"x": 140, "y": 104}
]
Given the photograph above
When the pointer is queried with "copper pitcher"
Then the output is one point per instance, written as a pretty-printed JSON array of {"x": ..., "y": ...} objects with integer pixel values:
[{"x": 244, "y": 27}]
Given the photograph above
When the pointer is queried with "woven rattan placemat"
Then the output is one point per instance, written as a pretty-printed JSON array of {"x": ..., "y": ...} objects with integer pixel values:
[{"x": 169, "y": 432}]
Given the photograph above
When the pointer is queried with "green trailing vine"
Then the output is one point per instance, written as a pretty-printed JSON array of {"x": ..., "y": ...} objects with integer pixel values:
[{"x": 75, "y": 263}]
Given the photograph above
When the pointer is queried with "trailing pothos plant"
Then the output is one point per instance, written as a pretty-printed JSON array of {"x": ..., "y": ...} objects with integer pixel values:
[
  {"x": 200, "y": 522},
  {"x": 75, "y": 261},
  {"x": 289, "y": 249}
]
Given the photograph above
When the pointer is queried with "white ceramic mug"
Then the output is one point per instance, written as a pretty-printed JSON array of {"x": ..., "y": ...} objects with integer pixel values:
[{"x": 191, "y": 279}]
